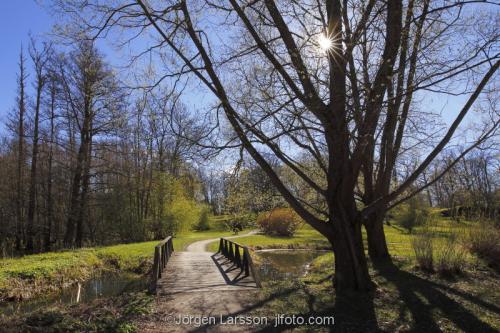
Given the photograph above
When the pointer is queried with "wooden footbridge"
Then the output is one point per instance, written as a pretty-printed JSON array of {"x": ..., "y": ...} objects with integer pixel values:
[
  {"x": 231, "y": 268},
  {"x": 196, "y": 282}
]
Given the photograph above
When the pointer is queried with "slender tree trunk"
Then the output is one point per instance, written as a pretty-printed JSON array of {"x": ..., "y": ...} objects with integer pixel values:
[
  {"x": 50, "y": 203},
  {"x": 84, "y": 190},
  {"x": 30, "y": 234},
  {"x": 20, "y": 156},
  {"x": 74, "y": 207},
  {"x": 75, "y": 193},
  {"x": 75, "y": 212}
]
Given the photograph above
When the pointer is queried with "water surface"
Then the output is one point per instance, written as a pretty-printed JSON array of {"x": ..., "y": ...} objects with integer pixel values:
[
  {"x": 285, "y": 264},
  {"x": 106, "y": 285}
]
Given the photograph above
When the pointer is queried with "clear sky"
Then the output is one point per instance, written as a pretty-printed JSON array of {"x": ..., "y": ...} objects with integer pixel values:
[
  {"x": 17, "y": 20},
  {"x": 21, "y": 17}
]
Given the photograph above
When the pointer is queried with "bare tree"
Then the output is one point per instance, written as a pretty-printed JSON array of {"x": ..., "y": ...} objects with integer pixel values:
[
  {"x": 21, "y": 154},
  {"x": 40, "y": 60},
  {"x": 90, "y": 90},
  {"x": 50, "y": 158}
]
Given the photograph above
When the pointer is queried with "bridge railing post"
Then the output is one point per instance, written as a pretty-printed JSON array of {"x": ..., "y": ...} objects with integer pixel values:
[
  {"x": 232, "y": 251},
  {"x": 163, "y": 251},
  {"x": 237, "y": 257},
  {"x": 220, "y": 246},
  {"x": 251, "y": 268}
]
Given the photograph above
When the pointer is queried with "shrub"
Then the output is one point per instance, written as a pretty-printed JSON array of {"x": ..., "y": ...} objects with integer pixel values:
[
  {"x": 279, "y": 222},
  {"x": 423, "y": 247},
  {"x": 484, "y": 240},
  {"x": 450, "y": 257},
  {"x": 239, "y": 222},
  {"x": 181, "y": 215},
  {"x": 235, "y": 225},
  {"x": 202, "y": 224},
  {"x": 413, "y": 216}
]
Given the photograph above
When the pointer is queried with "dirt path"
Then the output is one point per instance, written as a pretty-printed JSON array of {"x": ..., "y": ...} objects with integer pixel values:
[{"x": 201, "y": 246}]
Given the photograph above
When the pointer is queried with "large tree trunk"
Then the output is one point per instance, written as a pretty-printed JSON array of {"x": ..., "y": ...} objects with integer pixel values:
[
  {"x": 377, "y": 244},
  {"x": 351, "y": 268}
]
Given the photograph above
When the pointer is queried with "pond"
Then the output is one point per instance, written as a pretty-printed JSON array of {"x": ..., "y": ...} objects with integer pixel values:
[
  {"x": 285, "y": 264},
  {"x": 105, "y": 285}
]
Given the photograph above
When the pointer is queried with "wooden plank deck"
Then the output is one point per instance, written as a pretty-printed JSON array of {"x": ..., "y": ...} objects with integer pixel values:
[{"x": 201, "y": 271}]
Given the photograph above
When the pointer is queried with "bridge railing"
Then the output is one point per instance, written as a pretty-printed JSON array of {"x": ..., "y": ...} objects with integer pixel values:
[
  {"x": 163, "y": 251},
  {"x": 240, "y": 256}
]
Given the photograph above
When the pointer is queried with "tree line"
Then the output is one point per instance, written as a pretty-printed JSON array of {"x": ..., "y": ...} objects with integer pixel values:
[{"x": 87, "y": 162}]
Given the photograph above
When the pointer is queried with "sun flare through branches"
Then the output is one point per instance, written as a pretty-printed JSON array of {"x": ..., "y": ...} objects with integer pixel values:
[{"x": 326, "y": 43}]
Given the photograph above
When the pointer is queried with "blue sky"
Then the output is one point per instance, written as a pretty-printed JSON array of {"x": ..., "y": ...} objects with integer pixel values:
[
  {"x": 20, "y": 18},
  {"x": 17, "y": 20}
]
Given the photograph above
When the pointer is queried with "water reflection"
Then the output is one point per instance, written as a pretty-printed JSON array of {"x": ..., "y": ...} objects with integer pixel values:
[
  {"x": 106, "y": 285},
  {"x": 285, "y": 264}
]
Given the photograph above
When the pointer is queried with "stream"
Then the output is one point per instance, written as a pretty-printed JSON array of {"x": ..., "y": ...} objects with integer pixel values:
[{"x": 106, "y": 285}]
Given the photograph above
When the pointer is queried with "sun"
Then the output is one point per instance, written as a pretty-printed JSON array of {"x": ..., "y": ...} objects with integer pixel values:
[{"x": 325, "y": 43}]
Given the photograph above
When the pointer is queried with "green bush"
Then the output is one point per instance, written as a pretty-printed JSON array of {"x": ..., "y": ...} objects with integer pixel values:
[
  {"x": 203, "y": 224},
  {"x": 279, "y": 222},
  {"x": 413, "y": 215},
  {"x": 235, "y": 224}
]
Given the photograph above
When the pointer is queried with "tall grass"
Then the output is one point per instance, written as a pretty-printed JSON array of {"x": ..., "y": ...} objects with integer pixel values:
[
  {"x": 484, "y": 240},
  {"x": 424, "y": 250},
  {"x": 451, "y": 257}
]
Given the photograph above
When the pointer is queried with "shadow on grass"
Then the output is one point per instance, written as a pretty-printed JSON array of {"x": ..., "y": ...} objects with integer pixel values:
[
  {"x": 433, "y": 306},
  {"x": 353, "y": 312},
  {"x": 422, "y": 298}
]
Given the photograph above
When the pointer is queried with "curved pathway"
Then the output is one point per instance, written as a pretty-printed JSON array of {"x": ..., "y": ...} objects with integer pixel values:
[{"x": 201, "y": 246}]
